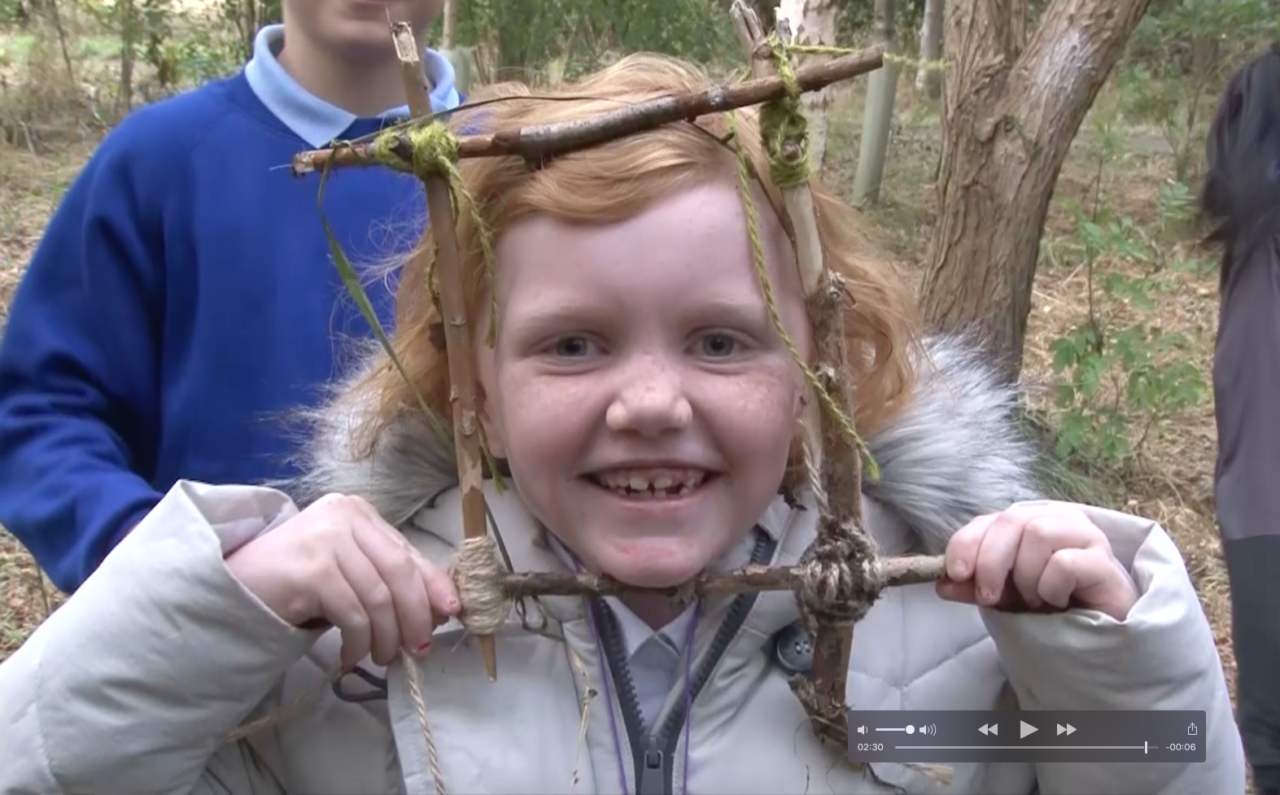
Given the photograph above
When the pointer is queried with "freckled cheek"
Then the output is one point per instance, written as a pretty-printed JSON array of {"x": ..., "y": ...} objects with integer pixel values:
[
  {"x": 544, "y": 419},
  {"x": 762, "y": 403},
  {"x": 755, "y": 426}
]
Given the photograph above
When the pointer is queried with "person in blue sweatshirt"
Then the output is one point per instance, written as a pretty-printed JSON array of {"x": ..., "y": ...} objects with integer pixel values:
[{"x": 184, "y": 299}]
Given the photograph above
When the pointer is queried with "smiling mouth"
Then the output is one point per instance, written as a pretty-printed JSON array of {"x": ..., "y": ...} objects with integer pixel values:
[{"x": 652, "y": 484}]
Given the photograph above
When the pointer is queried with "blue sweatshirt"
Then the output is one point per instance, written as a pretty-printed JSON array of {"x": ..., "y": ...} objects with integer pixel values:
[{"x": 182, "y": 302}]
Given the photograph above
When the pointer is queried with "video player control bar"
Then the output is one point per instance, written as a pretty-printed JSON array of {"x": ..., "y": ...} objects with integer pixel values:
[{"x": 1069, "y": 736}]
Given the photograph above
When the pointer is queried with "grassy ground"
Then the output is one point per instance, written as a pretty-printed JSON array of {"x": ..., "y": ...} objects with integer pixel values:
[{"x": 1170, "y": 481}]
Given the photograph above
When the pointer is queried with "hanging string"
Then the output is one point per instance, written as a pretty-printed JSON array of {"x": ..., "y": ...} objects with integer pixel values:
[
  {"x": 938, "y": 65},
  {"x": 434, "y": 152},
  {"x": 784, "y": 129}
]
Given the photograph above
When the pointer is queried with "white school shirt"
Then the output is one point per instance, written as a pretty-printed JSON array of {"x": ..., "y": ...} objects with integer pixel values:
[{"x": 654, "y": 658}]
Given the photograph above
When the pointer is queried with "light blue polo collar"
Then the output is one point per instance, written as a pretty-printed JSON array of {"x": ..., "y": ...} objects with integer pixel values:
[{"x": 314, "y": 120}]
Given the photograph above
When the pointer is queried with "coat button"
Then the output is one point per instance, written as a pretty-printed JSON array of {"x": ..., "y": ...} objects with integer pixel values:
[{"x": 793, "y": 650}]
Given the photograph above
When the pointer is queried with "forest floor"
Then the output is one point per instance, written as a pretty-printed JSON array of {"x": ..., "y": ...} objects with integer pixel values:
[{"x": 1170, "y": 480}]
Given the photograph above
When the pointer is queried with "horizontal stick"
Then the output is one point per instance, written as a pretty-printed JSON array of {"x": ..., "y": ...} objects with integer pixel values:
[
  {"x": 909, "y": 570},
  {"x": 537, "y": 142},
  {"x": 891, "y": 572}
]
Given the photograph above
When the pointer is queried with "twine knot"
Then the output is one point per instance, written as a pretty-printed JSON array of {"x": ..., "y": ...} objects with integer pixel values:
[
  {"x": 429, "y": 150},
  {"x": 838, "y": 578},
  {"x": 783, "y": 126},
  {"x": 433, "y": 151},
  {"x": 477, "y": 572}
]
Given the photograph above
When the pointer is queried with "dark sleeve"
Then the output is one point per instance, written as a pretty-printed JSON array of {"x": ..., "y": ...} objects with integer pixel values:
[
  {"x": 1246, "y": 376},
  {"x": 78, "y": 371}
]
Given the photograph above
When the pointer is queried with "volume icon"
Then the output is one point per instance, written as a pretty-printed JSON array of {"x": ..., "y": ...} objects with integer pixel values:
[{"x": 930, "y": 730}]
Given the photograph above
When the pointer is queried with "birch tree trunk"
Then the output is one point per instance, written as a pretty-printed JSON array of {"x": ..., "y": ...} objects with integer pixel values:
[
  {"x": 877, "y": 113},
  {"x": 1008, "y": 124},
  {"x": 812, "y": 22},
  {"x": 929, "y": 81},
  {"x": 449, "y": 33}
]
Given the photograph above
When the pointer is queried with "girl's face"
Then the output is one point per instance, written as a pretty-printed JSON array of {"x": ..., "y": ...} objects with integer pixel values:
[{"x": 637, "y": 388}]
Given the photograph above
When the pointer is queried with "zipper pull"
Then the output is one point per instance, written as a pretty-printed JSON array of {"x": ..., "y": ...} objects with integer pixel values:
[{"x": 656, "y": 772}]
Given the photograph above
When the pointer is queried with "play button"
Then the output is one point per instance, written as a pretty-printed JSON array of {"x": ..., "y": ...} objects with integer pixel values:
[
  {"x": 1068, "y": 729},
  {"x": 1025, "y": 728}
]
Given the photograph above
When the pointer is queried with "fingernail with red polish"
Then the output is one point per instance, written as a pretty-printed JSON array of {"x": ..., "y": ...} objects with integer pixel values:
[{"x": 424, "y": 647}]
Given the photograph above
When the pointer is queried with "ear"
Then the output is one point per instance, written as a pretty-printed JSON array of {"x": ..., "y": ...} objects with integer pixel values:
[{"x": 493, "y": 436}]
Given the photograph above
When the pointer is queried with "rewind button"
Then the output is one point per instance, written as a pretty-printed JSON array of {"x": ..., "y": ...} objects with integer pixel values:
[{"x": 991, "y": 729}]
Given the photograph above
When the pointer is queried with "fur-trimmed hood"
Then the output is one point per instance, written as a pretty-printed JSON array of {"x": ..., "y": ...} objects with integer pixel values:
[{"x": 954, "y": 453}]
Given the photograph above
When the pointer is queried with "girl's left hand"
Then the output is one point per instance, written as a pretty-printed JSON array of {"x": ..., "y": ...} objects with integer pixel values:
[{"x": 1052, "y": 553}]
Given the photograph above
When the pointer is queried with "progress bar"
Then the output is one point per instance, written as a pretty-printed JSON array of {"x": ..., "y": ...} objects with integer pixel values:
[{"x": 1142, "y": 747}]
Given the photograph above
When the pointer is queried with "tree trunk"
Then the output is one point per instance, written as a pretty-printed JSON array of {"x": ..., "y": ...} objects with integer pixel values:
[
  {"x": 449, "y": 34},
  {"x": 929, "y": 81},
  {"x": 816, "y": 26},
  {"x": 1008, "y": 125},
  {"x": 249, "y": 27},
  {"x": 877, "y": 113},
  {"x": 1018, "y": 21},
  {"x": 128, "y": 35}
]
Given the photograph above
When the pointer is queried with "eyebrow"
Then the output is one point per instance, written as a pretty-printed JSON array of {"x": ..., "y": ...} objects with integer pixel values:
[
  {"x": 750, "y": 313},
  {"x": 559, "y": 316}
]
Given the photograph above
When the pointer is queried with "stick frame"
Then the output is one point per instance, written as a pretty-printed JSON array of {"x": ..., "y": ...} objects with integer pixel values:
[{"x": 823, "y": 692}]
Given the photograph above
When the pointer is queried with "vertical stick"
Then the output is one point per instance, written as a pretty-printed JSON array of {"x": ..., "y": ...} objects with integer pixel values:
[
  {"x": 841, "y": 540},
  {"x": 457, "y": 330},
  {"x": 797, "y": 201}
]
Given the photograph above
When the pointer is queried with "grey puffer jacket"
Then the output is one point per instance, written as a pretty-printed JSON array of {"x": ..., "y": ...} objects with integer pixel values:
[{"x": 137, "y": 682}]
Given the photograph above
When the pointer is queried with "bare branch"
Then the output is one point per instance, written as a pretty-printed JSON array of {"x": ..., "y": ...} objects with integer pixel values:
[
  {"x": 909, "y": 570},
  {"x": 537, "y": 142}
]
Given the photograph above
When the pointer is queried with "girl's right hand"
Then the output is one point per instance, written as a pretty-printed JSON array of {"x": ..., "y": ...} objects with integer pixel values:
[{"x": 339, "y": 562}]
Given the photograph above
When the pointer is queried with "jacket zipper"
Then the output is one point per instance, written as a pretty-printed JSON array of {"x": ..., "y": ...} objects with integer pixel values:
[{"x": 652, "y": 753}]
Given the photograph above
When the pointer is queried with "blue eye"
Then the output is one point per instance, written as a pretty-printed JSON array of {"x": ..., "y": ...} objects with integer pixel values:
[
  {"x": 572, "y": 347},
  {"x": 718, "y": 345}
]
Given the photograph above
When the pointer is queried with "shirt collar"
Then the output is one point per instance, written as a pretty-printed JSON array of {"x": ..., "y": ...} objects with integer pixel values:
[
  {"x": 637, "y": 633},
  {"x": 313, "y": 119}
]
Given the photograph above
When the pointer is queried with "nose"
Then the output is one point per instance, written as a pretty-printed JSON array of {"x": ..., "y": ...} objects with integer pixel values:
[{"x": 651, "y": 401}]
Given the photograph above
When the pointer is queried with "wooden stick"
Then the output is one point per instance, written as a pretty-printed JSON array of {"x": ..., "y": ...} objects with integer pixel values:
[
  {"x": 891, "y": 572},
  {"x": 798, "y": 201},
  {"x": 537, "y": 142},
  {"x": 824, "y": 695},
  {"x": 448, "y": 271}
]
